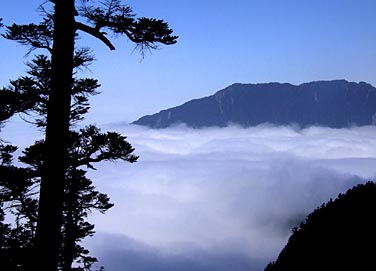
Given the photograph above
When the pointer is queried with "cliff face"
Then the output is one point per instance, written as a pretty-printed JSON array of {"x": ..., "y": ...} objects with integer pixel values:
[{"x": 334, "y": 104}]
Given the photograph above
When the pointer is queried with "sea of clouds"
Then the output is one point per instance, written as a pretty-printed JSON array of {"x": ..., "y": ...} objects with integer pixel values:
[
  {"x": 222, "y": 199},
  {"x": 216, "y": 199}
]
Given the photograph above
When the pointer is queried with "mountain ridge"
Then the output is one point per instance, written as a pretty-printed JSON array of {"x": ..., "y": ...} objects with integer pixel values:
[{"x": 335, "y": 103}]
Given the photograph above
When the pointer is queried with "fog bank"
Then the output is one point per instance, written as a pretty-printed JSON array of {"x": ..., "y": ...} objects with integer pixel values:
[{"x": 221, "y": 198}]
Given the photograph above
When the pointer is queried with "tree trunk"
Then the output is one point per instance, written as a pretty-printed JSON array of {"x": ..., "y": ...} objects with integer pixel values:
[
  {"x": 69, "y": 242},
  {"x": 70, "y": 226},
  {"x": 48, "y": 232}
]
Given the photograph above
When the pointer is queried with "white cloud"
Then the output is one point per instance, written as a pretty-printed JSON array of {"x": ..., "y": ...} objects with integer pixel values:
[{"x": 232, "y": 191}]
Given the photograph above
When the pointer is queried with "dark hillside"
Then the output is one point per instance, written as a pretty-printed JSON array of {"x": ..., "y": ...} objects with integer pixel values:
[{"x": 340, "y": 235}]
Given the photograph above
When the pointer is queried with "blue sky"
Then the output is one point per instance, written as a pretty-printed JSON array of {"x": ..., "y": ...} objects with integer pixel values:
[{"x": 220, "y": 43}]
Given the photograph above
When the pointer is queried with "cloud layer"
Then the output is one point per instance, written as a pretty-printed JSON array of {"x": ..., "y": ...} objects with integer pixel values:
[{"x": 221, "y": 199}]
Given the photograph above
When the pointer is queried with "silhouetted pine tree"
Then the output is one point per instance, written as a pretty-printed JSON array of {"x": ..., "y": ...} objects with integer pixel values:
[
  {"x": 15, "y": 239},
  {"x": 14, "y": 100},
  {"x": 57, "y": 34},
  {"x": 86, "y": 147}
]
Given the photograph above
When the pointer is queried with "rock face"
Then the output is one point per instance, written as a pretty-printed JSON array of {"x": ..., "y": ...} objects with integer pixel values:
[{"x": 335, "y": 104}]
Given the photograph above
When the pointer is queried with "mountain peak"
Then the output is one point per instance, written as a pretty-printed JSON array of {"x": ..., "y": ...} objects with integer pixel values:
[{"x": 336, "y": 103}]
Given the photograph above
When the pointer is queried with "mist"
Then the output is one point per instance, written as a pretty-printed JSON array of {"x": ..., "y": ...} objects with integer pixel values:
[{"x": 221, "y": 198}]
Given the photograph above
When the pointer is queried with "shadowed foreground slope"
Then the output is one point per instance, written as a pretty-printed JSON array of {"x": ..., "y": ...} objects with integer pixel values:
[{"x": 340, "y": 235}]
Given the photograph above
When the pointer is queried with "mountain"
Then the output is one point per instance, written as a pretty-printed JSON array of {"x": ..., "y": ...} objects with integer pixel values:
[
  {"x": 339, "y": 235},
  {"x": 336, "y": 104}
]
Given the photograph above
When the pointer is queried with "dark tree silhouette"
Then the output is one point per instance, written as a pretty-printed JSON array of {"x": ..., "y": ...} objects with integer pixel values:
[
  {"x": 19, "y": 186},
  {"x": 12, "y": 102},
  {"x": 86, "y": 147},
  {"x": 339, "y": 235},
  {"x": 15, "y": 242},
  {"x": 57, "y": 34}
]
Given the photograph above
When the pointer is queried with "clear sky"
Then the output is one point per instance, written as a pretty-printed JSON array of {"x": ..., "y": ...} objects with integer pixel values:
[{"x": 220, "y": 43}]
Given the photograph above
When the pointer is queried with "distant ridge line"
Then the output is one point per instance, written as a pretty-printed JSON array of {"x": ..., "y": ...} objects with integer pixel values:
[{"x": 335, "y": 103}]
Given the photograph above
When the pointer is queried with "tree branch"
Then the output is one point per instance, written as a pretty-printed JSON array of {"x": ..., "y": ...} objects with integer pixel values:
[{"x": 95, "y": 32}]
